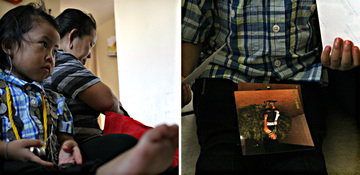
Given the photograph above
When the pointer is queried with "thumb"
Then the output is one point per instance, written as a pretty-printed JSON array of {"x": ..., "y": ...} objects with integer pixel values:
[
  {"x": 32, "y": 143},
  {"x": 68, "y": 146}
]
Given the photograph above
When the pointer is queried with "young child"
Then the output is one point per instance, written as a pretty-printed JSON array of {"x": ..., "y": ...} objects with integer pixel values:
[{"x": 33, "y": 118}]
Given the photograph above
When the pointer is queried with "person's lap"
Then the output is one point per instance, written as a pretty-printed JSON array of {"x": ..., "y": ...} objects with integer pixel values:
[
  {"x": 20, "y": 167},
  {"x": 107, "y": 147},
  {"x": 218, "y": 135},
  {"x": 95, "y": 153}
]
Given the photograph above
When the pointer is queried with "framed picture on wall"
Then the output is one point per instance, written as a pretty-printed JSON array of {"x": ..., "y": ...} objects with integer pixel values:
[{"x": 111, "y": 46}]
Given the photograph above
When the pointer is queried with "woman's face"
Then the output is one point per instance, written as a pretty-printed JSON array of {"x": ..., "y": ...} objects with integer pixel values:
[
  {"x": 34, "y": 60},
  {"x": 82, "y": 46}
]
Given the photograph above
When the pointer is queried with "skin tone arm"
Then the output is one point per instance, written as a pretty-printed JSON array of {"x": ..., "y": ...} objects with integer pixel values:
[
  {"x": 101, "y": 98},
  {"x": 190, "y": 54},
  {"x": 267, "y": 130},
  {"x": 344, "y": 56}
]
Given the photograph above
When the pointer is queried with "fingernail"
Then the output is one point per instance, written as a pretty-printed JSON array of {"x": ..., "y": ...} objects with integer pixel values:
[
  {"x": 337, "y": 43},
  {"x": 338, "y": 39},
  {"x": 347, "y": 42},
  {"x": 328, "y": 48},
  {"x": 355, "y": 48}
]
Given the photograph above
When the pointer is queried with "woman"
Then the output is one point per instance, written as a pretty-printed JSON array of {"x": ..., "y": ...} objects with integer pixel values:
[{"x": 86, "y": 96}]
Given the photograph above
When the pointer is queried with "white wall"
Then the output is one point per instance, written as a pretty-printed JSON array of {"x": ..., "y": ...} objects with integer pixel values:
[
  {"x": 148, "y": 47},
  {"x": 54, "y": 5}
]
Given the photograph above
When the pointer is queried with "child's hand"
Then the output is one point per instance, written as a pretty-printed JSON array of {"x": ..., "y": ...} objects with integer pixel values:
[
  {"x": 70, "y": 153},
  {"x": 19, "y": 150},
  {"x": 185, "y": 94},
  {"x": 344, "y": 56}
]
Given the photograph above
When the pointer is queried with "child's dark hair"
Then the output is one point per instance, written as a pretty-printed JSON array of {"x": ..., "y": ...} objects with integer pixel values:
[
  {"x": 18, "y": 21},
  {"x": 71, "y": 19}
]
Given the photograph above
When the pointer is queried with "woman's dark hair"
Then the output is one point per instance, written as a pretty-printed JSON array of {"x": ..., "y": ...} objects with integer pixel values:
[
  {"x": 18, "y": 21},
  {"x": 71, "y": 19}
]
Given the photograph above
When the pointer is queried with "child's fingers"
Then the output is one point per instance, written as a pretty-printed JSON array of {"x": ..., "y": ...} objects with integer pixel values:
[
  {"x": 336, "y": 53},
  {"x": 346, "y": 58},
  {"x": 32, "y": 143},
  {"x": 77, "y": 155},
  {"x": 68, "y": 146},
  {"x": 325, "y": 56},
  {"x": 356, "y": 56}
]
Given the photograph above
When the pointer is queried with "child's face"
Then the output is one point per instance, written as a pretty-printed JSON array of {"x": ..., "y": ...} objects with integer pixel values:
[{"x": 34, "y": 60}]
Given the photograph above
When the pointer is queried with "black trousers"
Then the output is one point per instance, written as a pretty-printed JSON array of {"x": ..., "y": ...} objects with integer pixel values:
[
  {"x": 343, "y": 92},
  {"x": 217, "y": 130},
  {"x": 95, "y": 153}
]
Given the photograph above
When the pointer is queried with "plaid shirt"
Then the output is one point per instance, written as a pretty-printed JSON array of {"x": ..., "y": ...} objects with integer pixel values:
[
  {"x": 27, "y": 106},
  {"x": 264, "y": 39}
]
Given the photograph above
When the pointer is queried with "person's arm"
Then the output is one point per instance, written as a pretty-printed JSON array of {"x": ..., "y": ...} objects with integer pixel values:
[
  {"x": 344, "y": 56},
  {"x": 196, "y": 26},
  {"x": 100, "y": 97},
  {"x": 190, "y": 54}
]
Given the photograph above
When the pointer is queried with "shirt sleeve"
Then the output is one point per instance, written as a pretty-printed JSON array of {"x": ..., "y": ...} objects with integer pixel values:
[
  {"x": 197, "y": 20},
  {"x": 63, "y": 114},
  {"x": 65, "y": 122},
  {"x": 70, "y": 77}
]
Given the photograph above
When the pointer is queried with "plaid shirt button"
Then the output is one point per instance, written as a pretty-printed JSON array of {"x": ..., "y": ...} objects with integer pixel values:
[
  {"x": 276, "y": 28},
  {"x": 277, "y": 63},
  {"x": 232, "y": 13}
]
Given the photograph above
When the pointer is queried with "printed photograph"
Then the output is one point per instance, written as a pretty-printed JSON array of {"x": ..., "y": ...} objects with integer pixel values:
[{"x": 271, "y": 121}]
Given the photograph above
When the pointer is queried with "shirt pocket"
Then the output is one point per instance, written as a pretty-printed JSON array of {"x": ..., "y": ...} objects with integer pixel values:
[{"x": 253, "y": 27}]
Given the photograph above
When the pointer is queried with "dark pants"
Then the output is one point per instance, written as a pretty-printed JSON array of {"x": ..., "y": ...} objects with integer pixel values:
[
  {"x": 343, "y": 92},
  {"x": 217, "y": 130},
  {"x": 95, "y": 153},
  {"x": 107, "y": 147}
]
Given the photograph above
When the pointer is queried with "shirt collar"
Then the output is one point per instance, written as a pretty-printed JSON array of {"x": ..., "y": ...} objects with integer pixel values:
[{"x": 11, "y": 78}]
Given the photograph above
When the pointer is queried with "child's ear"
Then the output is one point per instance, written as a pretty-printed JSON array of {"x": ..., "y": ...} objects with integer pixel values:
[
  {"x": 6, "y": 50},
  {"x": 72, "y": 35},
  {"x": 5, "y": 47}
]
